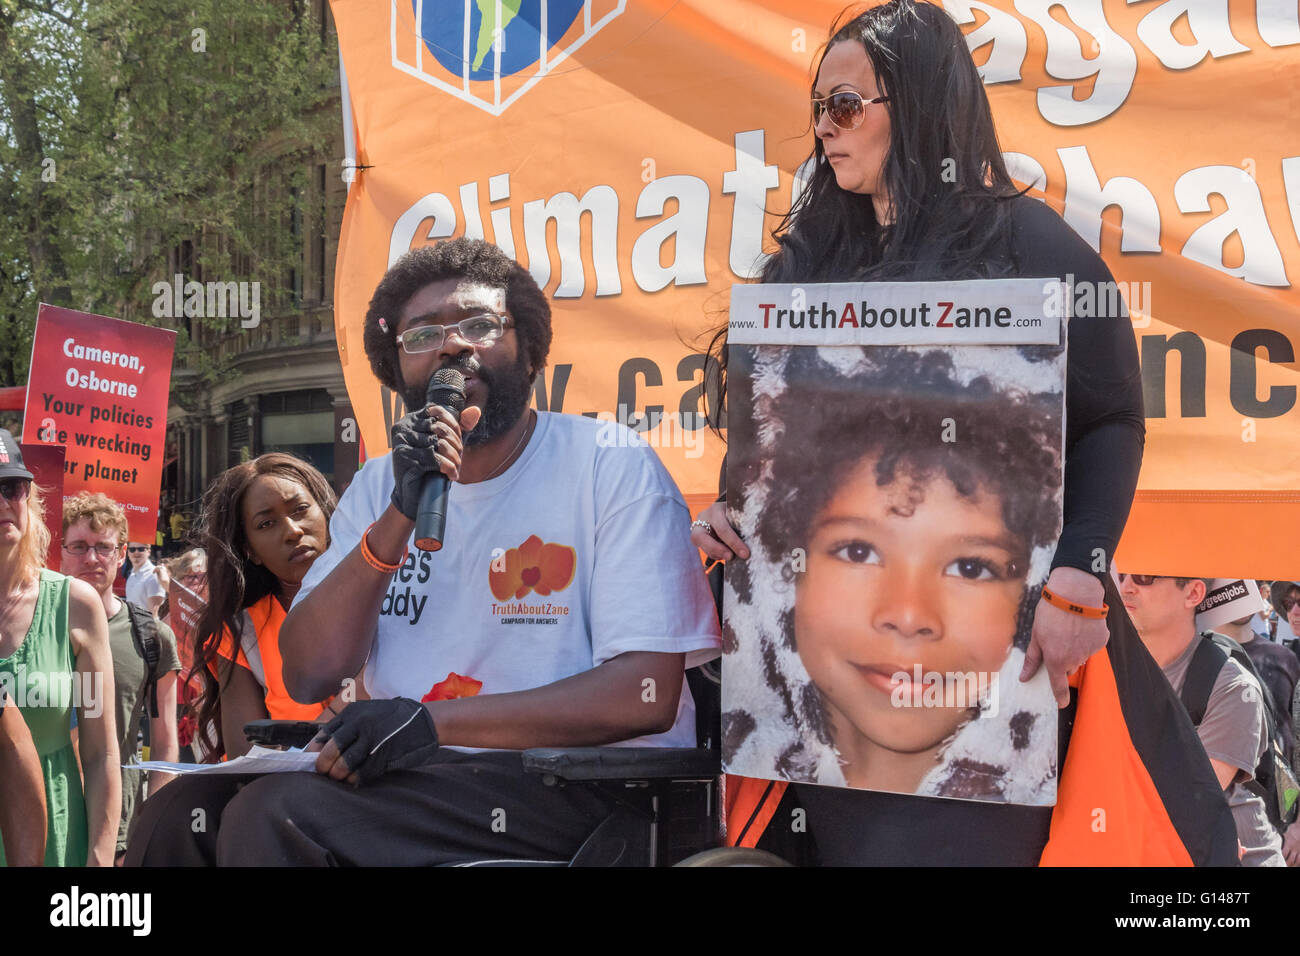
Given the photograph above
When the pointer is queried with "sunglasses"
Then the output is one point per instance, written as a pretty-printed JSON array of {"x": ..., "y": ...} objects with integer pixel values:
[
  {"x": 1142, "y": 580},
  {"x": 846, "y": 109},
  {"x": 482, "y": 329},
  {"x": 1289, "y": 602},
  {"x": 145, "y": 548},
  {"x": 80, "y": 548},
  {"x": 15, "y": 489},
  {"x": 196, "y": 577}
]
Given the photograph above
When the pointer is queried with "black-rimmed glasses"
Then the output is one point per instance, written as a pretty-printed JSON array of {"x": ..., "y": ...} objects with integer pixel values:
[{"x": 80, "y": 548}]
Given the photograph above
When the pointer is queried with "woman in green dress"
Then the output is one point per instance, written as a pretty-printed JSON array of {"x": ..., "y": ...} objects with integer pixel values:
[{"x": 54, "y": 655}]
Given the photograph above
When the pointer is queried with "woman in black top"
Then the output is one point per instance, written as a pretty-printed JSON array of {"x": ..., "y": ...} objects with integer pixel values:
[{"x": 908, "y": 183}]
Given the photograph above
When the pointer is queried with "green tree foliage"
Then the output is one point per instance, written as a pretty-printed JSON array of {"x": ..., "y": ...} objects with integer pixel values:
[{"x": 134, "y": 129}]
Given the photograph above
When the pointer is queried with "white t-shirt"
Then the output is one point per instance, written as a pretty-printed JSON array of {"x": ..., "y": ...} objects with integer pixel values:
[
  {"x": 579, "y": 552},
  {"x": 143, "y": 584}
]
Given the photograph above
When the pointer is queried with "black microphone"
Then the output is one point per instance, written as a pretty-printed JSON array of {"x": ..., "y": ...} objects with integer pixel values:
[{"x": 446, "y": 388}]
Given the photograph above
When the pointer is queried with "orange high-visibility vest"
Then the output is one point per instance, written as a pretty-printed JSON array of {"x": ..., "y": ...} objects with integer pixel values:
[{"x": 259, "y": 651}]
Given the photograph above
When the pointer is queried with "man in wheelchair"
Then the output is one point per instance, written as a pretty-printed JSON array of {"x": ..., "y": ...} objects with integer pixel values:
[{"x": 560, "y": 611}]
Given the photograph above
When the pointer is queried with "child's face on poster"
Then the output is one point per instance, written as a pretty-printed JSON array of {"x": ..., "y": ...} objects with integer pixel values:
[{"x": 908, "y": 574}]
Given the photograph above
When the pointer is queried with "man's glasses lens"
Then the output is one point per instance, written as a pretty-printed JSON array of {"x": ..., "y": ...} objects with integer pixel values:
[
  {"x": 477, "y": 330},
  {"x": 80, "y": 548},
  {"x": 137, "y": 550},
  {"x": 14, "y": 489}
]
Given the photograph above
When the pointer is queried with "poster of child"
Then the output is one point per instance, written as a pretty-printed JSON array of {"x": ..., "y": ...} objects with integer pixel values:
[{"x": 902, "y": 504}]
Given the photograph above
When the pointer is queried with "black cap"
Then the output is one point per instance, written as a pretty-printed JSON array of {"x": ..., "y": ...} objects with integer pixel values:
[
  {"x": 1277, "y": 591},
  {"x": 11, "y": 458}
]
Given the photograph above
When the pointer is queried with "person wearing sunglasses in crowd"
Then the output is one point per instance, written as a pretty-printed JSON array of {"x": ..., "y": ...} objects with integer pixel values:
[
  {"x": 1285, "y": 598},
  {"x": 1275, "y": 666},
  {"x": 145, "y": 662},
  {"x": 54, "y": 657},
  {"x": 142, "y": 586},
  {"x": 907, "y": 182},
  {"x": 1232, "y": 729}
]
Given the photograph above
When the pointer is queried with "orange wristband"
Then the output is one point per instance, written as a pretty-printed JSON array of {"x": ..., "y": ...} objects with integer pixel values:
[
  {"x": 375, "y": 562},
  {"x": 1057, "y": 601}
]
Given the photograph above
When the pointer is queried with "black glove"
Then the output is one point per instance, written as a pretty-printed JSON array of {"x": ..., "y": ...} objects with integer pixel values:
[
  {"x": 414, "y": 448},
  {"x": 375, "y": 736}
]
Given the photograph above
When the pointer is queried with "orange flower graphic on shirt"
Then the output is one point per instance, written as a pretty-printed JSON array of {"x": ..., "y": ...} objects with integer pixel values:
[
  {"x": 453, "y": 688},
  {"x": 533, "y": 566}
]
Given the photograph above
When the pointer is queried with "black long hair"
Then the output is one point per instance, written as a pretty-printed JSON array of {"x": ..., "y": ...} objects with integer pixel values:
[
  {"x": 944, "y": 174},
  {"x": 234, "y": 581}
]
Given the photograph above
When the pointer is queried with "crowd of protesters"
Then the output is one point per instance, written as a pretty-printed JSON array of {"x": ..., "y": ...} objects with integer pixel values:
[
  {"x": 296, "y": 593},
  {"x": 263, "y": 525}
]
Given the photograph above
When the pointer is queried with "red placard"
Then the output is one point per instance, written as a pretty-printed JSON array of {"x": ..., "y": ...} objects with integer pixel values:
[
  {"x": 182, "y": 617},
  {"x": 45, "y": 462},
  {"x": 184, "y": 608},
  {"x": 98, "y": 386}
]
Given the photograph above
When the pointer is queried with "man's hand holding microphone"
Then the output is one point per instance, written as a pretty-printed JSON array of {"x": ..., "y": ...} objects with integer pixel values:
[
  {"x": 427, "y": 445},
  {"x": 370, "y": 737}
]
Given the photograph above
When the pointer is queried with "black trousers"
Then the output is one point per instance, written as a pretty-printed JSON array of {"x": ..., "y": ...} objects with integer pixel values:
[{"x": 461, "y": 807}]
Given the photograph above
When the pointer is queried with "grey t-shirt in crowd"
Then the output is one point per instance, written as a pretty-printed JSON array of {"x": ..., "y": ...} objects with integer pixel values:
[
  {"x": 129, "y": 680},
  {"x": 1233, "y": 732}
]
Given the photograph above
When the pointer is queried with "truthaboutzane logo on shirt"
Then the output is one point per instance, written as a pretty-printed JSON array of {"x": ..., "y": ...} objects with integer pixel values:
[
  {"x": 975, "y": 312},
  {"x": 537, "y": 567}
]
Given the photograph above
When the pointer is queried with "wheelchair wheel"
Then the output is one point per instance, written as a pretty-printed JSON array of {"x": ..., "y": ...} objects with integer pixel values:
[{"x": 733, "y": 856}]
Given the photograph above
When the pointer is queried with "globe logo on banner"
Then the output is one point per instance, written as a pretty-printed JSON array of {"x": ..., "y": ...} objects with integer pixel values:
[{"x": 460, "y": 47}]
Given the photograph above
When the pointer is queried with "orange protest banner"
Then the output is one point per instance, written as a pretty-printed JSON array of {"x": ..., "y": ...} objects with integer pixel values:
[
  {"x": 98, "y": 386},
  {"x": 635, "y": 154}
]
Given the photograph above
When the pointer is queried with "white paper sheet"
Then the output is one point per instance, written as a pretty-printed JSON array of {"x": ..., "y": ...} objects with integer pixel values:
[{"x": 257, "y": 760}]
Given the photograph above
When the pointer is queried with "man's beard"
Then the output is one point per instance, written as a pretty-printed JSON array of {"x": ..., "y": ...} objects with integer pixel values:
[{"x": 508, "y": 395}]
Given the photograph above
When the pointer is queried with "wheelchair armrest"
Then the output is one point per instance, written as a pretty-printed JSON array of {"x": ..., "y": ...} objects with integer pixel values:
[{"x": 618, "y": 763}]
